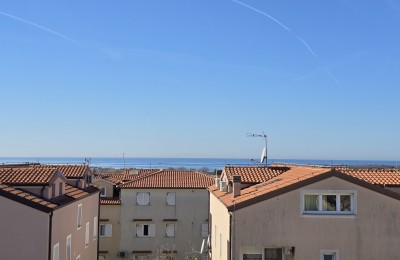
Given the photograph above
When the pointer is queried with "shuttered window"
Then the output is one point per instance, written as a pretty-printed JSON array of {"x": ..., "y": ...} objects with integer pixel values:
[
  {"x": 106, "y": 230},
  {"x": 170, "y": 230},
  {"x": 204, "y": 230},
  {"x": 171, "y": 198},
  {"x": 145, "y": 230},
  {"x": 143, "y": 198}
]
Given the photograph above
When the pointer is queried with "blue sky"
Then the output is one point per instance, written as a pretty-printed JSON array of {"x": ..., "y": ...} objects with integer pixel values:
[{"x": 192, "y": 78}]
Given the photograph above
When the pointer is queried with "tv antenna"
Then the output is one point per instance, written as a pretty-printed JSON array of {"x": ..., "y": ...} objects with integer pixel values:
[{"x": 264, "y": 155}]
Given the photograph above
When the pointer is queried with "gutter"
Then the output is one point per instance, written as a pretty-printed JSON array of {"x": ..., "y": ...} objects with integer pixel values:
[
  {"x": 232, "y": 234},
  {"x": 50, "y": 232}
]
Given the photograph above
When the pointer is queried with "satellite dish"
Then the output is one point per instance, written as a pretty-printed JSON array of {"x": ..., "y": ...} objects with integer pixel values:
[{"x": 263, "y": 155}]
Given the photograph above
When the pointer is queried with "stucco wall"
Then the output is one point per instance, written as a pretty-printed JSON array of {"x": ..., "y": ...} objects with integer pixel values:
[
  {"x": 24, "y": 231},
  {"x": 373, "y": 233},
  {"x": 65, "y": 224},
  {"x": 191, "y": 210},
  {"x": 219, "y": 232},
  {"x": 110, "y": 244}
]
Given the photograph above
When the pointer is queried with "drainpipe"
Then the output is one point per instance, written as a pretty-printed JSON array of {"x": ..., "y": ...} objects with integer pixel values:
[
  {"x": 232, "y": 232},
  {"x": 50, "y": 231}
]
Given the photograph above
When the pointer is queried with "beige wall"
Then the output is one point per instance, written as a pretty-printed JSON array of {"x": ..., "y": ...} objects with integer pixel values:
[
  {"x": 110, "y": 244},
  {"x": 191, "y": 210},
  {"x": 24, "y": 231},
  {"x": 65, "y": 224},
  {"x": 219, "y": 232},
  {"x": 373, "y": 233},
  {"x": 99, "y": 183}
]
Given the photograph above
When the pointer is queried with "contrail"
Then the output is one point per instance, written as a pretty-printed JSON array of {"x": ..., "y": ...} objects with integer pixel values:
[
  {"x": 39, "y": 27},
  {"x": 298, "y": 37}
]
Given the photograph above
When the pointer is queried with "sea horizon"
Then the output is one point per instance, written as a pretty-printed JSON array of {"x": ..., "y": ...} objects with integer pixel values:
[{"x": 187, "y": 163}]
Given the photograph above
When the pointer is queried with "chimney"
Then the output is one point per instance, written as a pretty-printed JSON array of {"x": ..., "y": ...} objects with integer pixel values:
[{"x": 236, "y": 185}]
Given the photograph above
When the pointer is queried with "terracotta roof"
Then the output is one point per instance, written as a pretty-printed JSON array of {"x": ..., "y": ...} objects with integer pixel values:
[
  {"x": 126, "y": 176},
  {"x": 294, "y": 175},
  {"x": 74, "y": 192},
  {"x": 73, "y": 171},
  {"x": 390, "y": 177},
  {"x": 33, "y": 175},
  {"x": 110, "y": 202},
  {"x": 172, "y": 179},
  {"x": 254, "y": 174},
  {"x": 298, "y": 176},
  {"x": 26, "y": 198}
]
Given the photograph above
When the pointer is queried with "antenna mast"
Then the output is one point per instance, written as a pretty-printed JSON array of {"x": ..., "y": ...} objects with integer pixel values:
[{"x": 264, "y": 155}]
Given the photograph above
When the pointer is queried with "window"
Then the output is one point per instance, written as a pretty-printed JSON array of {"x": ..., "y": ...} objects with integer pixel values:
[
  {"x": 329, "y": 202},
  {"x": 102, "y": 257},
  {"x": 79, "y": 217},
  {"x": 53, "y": 190},
  {"x": 87, "y": 235},
  {"x": 329, "y": 255},
  {"x": 170, "y": 230},
  {"x": 143, "y": 198},
  {"x": 95, "y": 225},
  {"x": 220, "y": 245},
  {"x": 103, "y": 192},
  {"x": 171, "y": 198},
  {"x": 105, "y": 230},
  {"x": 60, "y": 187},
  {"x": 56, "y": 252},
  {"x": 204, "y": 230},
  {"x": 68, "y": 254},
  {"x": 273, "y": 254},
  {"x": 252, "y": 256},
  {"x": 145, "y": 230}
]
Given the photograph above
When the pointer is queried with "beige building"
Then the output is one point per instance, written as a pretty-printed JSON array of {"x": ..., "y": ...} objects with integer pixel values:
[
  {"x": 164, "y": 214},
  {"x": 110, "y": 210},
  {"x": 45, "y": 215},
  {"x": 305, "y": 212}
]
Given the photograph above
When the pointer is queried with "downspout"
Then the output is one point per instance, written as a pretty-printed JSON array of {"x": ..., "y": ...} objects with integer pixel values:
[
  {"x": 50, "y": 232},
  {"x": 232, "y": 232},
  {"x": 98, "y": 221}
]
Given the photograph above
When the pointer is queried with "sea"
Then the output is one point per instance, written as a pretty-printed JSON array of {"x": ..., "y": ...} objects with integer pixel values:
[{"x": 207, "y": 164}]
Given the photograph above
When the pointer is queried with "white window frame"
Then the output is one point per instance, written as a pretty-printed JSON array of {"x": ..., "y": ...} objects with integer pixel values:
[
  {"x": 151, "y": 230},
  {"x": 170, "y": 229},
  {"x": 337, "y": 193},
  {"x": 87, "y": 230},
  {"x": 103, "y": 191},
  {"x": 171, "y": 198},
  {"x": 79, "y": 217},
  {"x": 56, "y": 251},
  {"x": 68, "y": 250},
  {"x": 143, "y": 198},
  {"x": 333, "y": 252},
  {"x": 107, "y": 230},
  {"x": 95, "y": 228}
]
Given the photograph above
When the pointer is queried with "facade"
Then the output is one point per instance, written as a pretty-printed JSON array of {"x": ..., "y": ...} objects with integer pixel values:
[
  {"x": 43, "y": 216},
  {"x": 163, "y": 214},
  {"x": 307, "y": 213}
]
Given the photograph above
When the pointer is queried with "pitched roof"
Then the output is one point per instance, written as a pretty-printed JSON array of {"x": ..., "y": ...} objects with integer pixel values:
[
  {"x": 126, "y": 176},
  {"x": 299, "y": 176},
  {"x": 110, "y": 201},
  {"x": 73, "y": 171},
  {"x": 33, "y": 175},
  {"x": 171, "y": 179},
  {"x": 386, "y": 177},
  {"x": 254, "y": 174},
  {"x": 27, "y": 198}
]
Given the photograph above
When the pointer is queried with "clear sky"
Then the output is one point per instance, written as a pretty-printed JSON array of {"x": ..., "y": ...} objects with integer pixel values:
[{"x": 191, "y": 78}]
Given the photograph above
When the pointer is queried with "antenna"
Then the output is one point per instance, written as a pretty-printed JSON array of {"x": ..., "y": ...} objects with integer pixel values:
[{"x": 264, "y": 155}]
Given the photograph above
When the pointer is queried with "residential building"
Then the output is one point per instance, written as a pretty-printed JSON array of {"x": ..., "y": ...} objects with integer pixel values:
[
  {"x": 164, "y": 214},
  {"x": 305, "y": 212},
  {"x": 45, "y": 216},
  {"x": 110, "y": 210}
]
